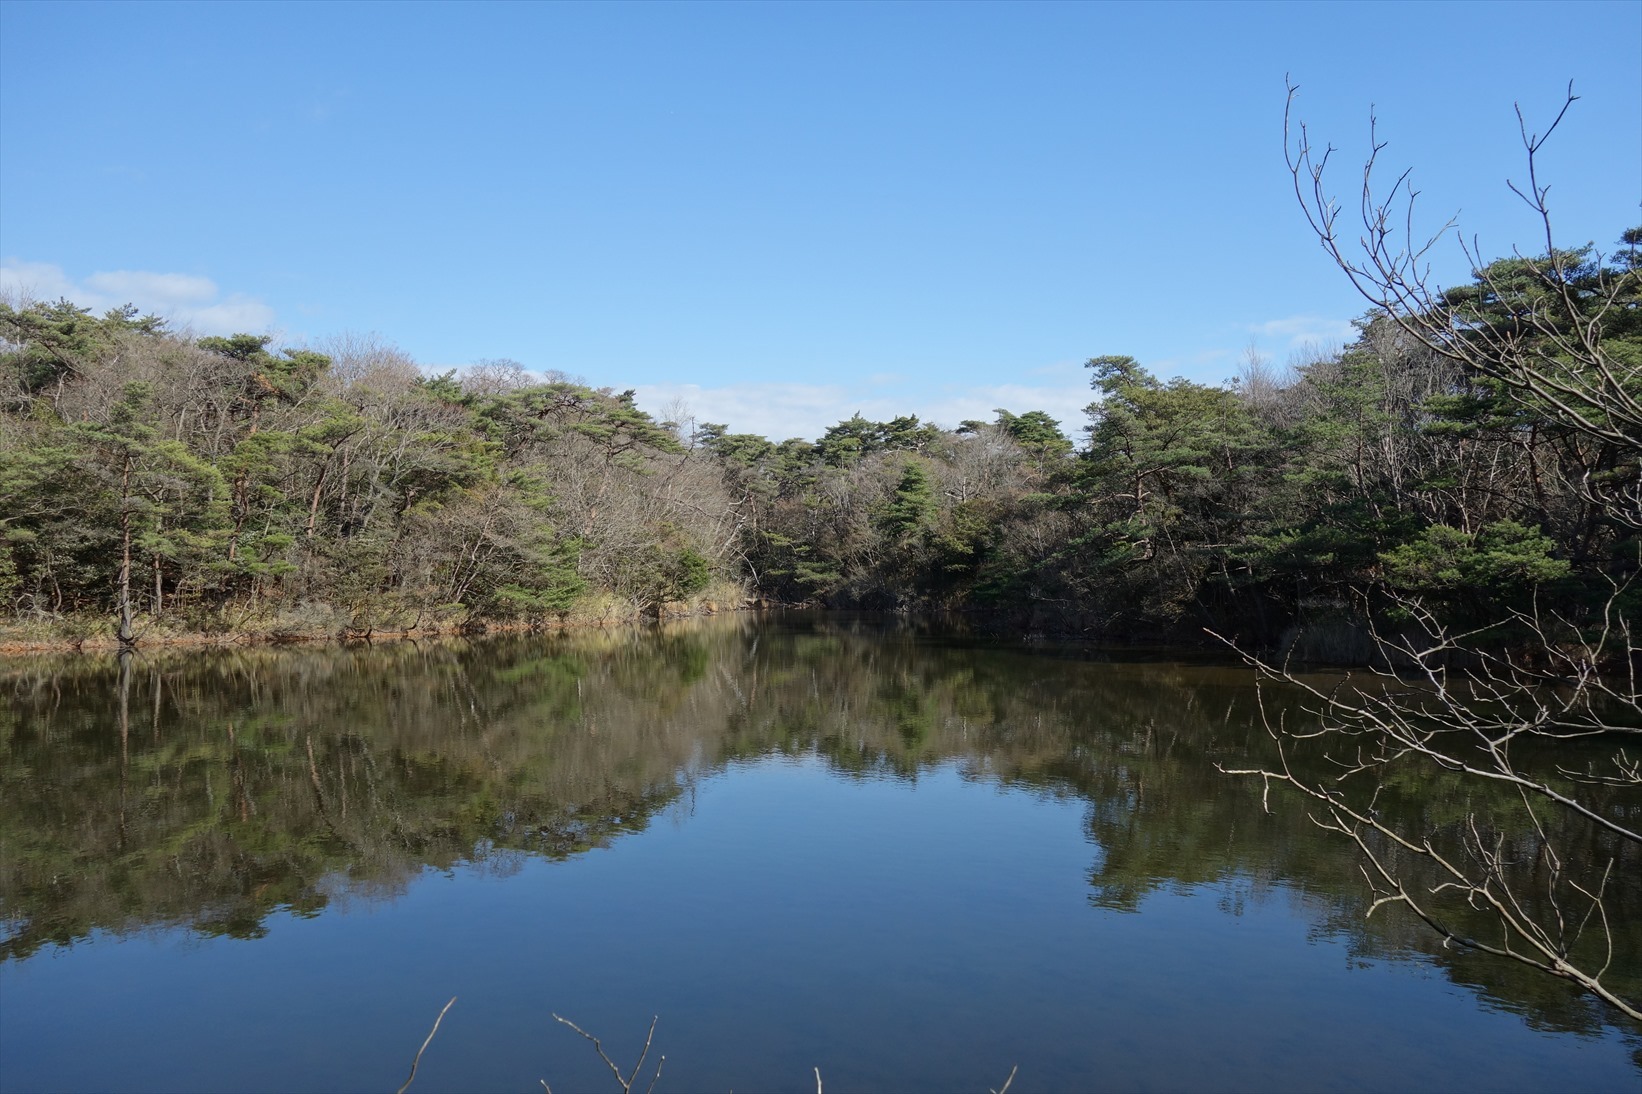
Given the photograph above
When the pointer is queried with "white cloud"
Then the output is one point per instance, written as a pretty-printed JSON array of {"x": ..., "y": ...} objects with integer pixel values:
[
  {"x": 779, "y": 410},
  {"x": 776, "y": 410},
  {"x": 169, "y": 288},
  {"x": 1064, "y": 403},
  {"x": 236, "y": 315},
  {"x": 185, "y": 300},
  {"x": 34, "y": 280},
  {"x": 1304, "y": 330}
]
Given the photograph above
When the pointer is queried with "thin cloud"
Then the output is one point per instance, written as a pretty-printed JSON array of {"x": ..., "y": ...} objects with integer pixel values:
[
  {"x": 1063, "y": 402},
  {"x": 1303, "y": 330},
  {"x": 775, "y": 410},
  {"x": 170, "y": 289},
  {"x": 34, "y": 281},
  {"x": 780, "y": 410},
  {"x": 237, "y": 314},
  {"x": 185, "y": 300}
]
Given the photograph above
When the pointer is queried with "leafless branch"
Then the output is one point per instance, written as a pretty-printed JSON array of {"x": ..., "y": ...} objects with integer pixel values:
[
  {"x": 416, "y": 1062},
  {"x": 1549, "y": 349},
  {"x": 1445, "y": 700},
  {"x": 624, "y": 1081}
]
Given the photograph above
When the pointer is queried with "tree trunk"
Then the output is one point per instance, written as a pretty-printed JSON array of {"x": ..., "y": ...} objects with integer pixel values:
[{"x": 124, "y": 632}]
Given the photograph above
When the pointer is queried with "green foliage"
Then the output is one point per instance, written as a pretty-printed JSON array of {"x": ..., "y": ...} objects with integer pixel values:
[
  {"x": 548, "y": 584},
  {"x": 687, "y": 574},
  {"x": 444, "y": 387},
  {"x": 856, "y": 437},
  {"x": 246, "y": 480},
  {"x": 1163, "y": 489},
  {"x": 745, "y": 449},
  {"x": 620, "y": 429},
  {"x": 848, "y": 441},
  {"x": 1037, "y": 433},
  {"x": 1502, "y": 556},
  {"x": 1563, "y": 333},
  {"x": 248, "y": 348},
  {"x": 912, "y": 507},
  {"x": 54, "y": 341}
]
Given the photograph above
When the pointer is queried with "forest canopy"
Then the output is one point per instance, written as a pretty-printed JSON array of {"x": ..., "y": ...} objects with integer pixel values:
[{"x": 152, "y": 483}]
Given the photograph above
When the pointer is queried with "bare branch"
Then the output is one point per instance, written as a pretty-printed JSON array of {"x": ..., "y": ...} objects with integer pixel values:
[
  {"x": 1551, "y": 348},
  {"x": 624, "y": 1081},
  {"x": 417, "y": 1062}
]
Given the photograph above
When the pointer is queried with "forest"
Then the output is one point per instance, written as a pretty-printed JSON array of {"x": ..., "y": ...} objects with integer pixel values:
[{"x": 155, "y": 484}]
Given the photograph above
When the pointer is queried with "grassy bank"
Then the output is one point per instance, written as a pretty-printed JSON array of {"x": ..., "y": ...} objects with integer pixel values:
[{"x": 319, "y": 622}]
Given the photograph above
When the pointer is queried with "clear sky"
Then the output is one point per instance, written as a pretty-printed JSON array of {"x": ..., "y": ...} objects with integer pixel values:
[{"x": 780, "y": 213}]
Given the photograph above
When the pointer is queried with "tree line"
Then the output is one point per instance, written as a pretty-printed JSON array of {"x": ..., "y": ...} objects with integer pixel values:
[{"x": 155, "y": 482}]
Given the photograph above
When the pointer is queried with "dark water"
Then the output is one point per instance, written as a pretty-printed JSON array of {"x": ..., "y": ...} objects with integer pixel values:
[{"x": 910, "y": 860}]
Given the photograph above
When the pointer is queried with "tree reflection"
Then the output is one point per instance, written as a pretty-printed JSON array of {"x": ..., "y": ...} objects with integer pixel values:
[{"x": 209, "y": 790}]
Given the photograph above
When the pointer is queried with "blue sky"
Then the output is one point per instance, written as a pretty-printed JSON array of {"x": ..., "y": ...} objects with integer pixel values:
[{"x": 779, "y": 214}]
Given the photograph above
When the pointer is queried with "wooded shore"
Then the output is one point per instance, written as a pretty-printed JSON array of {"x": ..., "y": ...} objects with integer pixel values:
[{"x": 156, "y": 486}]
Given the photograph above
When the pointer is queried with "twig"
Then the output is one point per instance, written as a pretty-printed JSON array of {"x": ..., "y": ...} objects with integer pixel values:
[
  {"x": 625, "y": 1081},
  {"x": 414, "y": 1063}
]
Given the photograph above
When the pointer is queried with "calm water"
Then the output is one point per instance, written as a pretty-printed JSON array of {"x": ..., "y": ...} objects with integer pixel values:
[{"x": 911, "y": 860}]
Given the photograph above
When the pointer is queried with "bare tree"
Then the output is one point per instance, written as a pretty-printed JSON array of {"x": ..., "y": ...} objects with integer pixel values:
[
  {"x": 495, "y": 376},
  {"x": 1545, "y": 341},
  {"x": 1536, "y": 885},
  {"x": 366, "y": 359},
  {"x": 1538, "y": 713}
]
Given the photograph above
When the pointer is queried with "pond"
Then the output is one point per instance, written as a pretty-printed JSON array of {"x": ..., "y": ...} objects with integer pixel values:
[{"x": 911, "y": 859}]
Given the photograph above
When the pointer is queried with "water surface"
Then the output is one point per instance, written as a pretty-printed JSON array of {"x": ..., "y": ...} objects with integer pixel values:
[{"x": 910, "y": 859}]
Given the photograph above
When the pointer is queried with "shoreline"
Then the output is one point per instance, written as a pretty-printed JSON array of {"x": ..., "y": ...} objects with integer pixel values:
[{"x": 107, "y": 643}]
